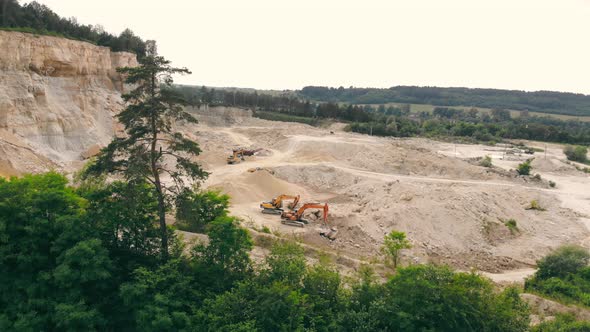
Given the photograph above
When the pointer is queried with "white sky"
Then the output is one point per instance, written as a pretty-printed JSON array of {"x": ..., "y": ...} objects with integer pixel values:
[{"x": 288, "y": 44}]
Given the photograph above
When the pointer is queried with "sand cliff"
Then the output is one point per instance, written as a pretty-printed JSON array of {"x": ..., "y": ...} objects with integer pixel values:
[{"x": 58, "y": 98}]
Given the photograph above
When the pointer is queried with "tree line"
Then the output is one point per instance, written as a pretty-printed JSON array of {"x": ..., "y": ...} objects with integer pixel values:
[
  {"x": 477, "y": 125},
  {"x": 538, "y": 101},
  {"x": 398, "y": 121},
  {"x": 37, "y": 18}
]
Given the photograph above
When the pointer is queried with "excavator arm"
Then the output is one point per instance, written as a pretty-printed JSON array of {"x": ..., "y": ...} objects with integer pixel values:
[{"x": 296, "y": 219}]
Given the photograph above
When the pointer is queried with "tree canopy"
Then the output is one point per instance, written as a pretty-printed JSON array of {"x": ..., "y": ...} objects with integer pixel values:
[
  {"x": 538, "y": 101},
  {"x": 87, "y": 258},
  {"x": 38, "y": 18}
]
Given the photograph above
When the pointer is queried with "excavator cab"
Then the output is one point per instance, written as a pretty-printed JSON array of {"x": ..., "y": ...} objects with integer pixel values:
[
  {"x": 275, "y": 206},
  {"x": 235, "y": 157},
  {"x": 238, "y": 155}
]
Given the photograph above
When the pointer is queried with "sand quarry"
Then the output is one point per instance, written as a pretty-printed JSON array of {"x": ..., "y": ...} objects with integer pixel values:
[{"x": 452, "y": 210}]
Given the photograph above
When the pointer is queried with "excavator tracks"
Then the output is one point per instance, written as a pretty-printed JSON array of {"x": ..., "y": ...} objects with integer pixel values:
[
  {"x": 292, "y": 223},
  {"x": 271, "y": 211}
]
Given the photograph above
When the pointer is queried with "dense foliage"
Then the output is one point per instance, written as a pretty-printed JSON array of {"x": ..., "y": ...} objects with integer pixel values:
[
  {"x": 576, "y": 153},
  {"x": 37, "y": 18},
  {"x": 87, "y": 258},
  {"x": 196, "y": 210},
  {"x": 563, "y": 275},
  {"x": 539, "y": 101},
  {"x": 398, "y": 121},
  {"x": 476, "y": 125},
  {"x": 563, "y": 323}
]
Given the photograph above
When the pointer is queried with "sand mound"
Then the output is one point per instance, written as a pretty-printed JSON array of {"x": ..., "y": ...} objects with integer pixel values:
[
  {"x": 256, "y": 187},
  {"x": 553, "y": 165},
  {"x": 321, "y": 178}
]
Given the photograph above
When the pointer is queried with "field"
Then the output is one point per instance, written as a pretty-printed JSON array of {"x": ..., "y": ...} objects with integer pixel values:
[{"x": 417, "y": 108}]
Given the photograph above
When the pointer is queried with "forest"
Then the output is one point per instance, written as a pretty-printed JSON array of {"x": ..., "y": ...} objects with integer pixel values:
[
  {"x": 397, "y": 121},
  {"x": 88, "y": 258},
  {"x": 538, "y": 101},
  {"x": 34, "y": 17}
]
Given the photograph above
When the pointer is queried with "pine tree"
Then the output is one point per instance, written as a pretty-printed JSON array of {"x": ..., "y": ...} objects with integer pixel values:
[{"x": 151, "y": 147}]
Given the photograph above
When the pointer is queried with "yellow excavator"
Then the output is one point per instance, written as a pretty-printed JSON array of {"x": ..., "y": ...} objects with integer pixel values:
[
  {"x": 275, "y": 206},
  {"x": 295, "y": 218},
  {"x": 238, "y": 155}
]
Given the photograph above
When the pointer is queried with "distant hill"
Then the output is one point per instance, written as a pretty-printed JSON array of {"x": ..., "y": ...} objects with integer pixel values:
[{"x": 539, "y": 101}]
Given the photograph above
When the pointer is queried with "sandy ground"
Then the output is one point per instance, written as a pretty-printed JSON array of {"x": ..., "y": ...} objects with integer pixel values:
[{"x": 452, "y": 210}]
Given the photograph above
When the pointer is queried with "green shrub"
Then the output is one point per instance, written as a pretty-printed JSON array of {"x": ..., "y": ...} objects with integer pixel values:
[
  {"x": 486, "y": 161},
  {"x": 576, "y": 153},
  {"x": 535, "y": 206},
  {"x": 563, "y": 275},
  {"x": 552, "y": 184},
  {"x": 565, "y": 260},
  {"x": 512, "y": 226},
  {"x": 194, "y": 210},
  {"x": 524, "y": 168},
  {"x": 563, "y": 323}
]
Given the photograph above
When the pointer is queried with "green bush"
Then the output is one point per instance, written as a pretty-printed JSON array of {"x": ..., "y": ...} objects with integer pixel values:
[
  {"x": 565, "y": 260},
  {"x": 195, "y": 210},
  {"x": 512, "y": 226},
  {"x": 535, "y": 206},
  {"x": 486, "y": 161},
  {"x": 563, "y": 323},
  {"x": 524, "y": 168},
  {"x": 563, "y": 275},
  {"x": 576, "y": 153}
]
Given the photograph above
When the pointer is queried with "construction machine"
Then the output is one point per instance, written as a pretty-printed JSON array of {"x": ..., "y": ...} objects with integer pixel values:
[
  {"x": 238, "y": 155},
  {"x": 275, "y": 206},
  {"x": 295, "y": 218}
]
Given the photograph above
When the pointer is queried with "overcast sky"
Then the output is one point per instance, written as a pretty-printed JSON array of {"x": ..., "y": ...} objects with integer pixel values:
[{"x": 288, "y": 44}]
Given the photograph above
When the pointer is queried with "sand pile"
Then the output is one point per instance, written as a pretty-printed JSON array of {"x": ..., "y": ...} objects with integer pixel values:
[
  {"x": 553, "y": 165},
  {"x": 256, "y": 187}
]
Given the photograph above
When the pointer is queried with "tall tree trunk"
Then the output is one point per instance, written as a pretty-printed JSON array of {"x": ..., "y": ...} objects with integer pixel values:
[
  {"x": 162, "y": 215},
  {"x": 156, "y": 175}
]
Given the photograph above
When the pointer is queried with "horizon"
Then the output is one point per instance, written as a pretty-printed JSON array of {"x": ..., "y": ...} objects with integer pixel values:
[
  {"x": 390, "y": 87},
  {"x": 528, "y": 46}
]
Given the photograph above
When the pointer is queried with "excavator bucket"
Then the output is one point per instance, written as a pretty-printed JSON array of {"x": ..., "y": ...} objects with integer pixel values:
[{"x": 329, "y": 233}]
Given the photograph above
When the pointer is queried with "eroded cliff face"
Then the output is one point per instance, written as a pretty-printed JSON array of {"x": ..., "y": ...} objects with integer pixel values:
[{"x": 58, "y": 99}]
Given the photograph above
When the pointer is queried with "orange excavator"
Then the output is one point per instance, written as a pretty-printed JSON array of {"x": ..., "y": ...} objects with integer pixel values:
[
  {"x": 275, "y": 206},
  {"x": 238, "y": 155},
  {"x": 295, "y": 218}
]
